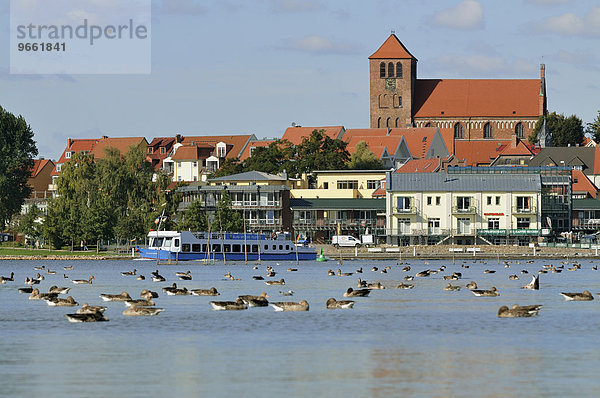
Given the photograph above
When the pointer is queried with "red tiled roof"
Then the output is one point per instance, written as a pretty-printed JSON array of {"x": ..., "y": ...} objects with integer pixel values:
[
  {"x": 476, "y": 98},
  {"x": 520, "y": 149},
  {"x": 581, "y": 183},
  {"x": 38, "y": 165},
  {"x": 420, "y": 166},
  {"x": 417, "y": 139},
  {"x": 238, "y": 142},
  {"x": 295, "y": 135},
  {"x": 392, "y": 48},
  {"x": 478, "y": 152},
  {"x": 376, "y": 144},
  {"x": 448, "y": 137},
  {"x": 193, "y": 152},
  {"x": 122, "y": 144},
  {"x": 587, "y": 141},
  {"x": 254, "y": 144},
  {"x": 75, "y": 145}
]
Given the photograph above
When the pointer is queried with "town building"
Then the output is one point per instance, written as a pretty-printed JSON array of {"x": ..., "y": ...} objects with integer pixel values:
[{"x": 40, "y": 180}]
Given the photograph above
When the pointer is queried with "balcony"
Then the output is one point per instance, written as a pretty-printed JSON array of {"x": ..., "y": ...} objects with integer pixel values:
[
  {"x": 464, "y": 210},
  {"x": 524, "y": 210},
  {"x": 405, "y": 210}
]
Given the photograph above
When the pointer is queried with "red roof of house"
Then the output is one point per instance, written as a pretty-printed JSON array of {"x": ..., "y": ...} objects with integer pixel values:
[
  {"x": 581, "y": 183},
  {"x": 520, "y": 149},
  {"x": 588, "y": 141},
  {"x": 420, "y": 166},
  {"x": 296, "y": 134},
  {"x": 376, "y": 144},
  {"x": 122, "y": 144},
  {"x": 392, "y": 48},
  {"x": 193, "y": 152},
  {"x": 38, "y": 165},
  {"x": 417, "y": 139},
  {"x": 75, "y": 145},
  {"x": 476, "y": 98},
  {"x": 238, "y": 142},
  {"x": 478, "y": 152},
  {"x": 254, "y": 144}
]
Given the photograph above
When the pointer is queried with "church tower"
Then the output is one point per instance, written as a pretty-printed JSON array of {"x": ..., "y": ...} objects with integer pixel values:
[{"x": 393, "y": 73}]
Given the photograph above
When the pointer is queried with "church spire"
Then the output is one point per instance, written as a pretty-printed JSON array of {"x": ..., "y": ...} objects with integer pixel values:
[{"x": 392, "y": 48}]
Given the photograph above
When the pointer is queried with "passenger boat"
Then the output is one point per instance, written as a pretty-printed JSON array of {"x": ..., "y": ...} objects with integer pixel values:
[{"x": 186, "y": 245}]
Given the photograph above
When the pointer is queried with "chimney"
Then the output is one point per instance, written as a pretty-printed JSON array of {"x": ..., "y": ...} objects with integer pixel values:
[
  {"x": 69, "y": 142},
  {"x": 104, "y": 137},
  {"x": 542, "y": 71}
]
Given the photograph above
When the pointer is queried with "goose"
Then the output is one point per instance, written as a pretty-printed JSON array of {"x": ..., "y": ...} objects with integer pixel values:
[
  {"x": 70, "y": 267},
  {"x": 585, "y": 296},
  {"x": 31, "y": 281},
  {"x": 39, "y": 268},
  {"x": 65, "y": 276},
  {"x": 290, "y": 306},
  {"x": 50, "y": 272},
  {"x": 255, "y": 301},
  {"x": 89, "y": 309},
  {"x": 493, "y": 292},
  {"x": 129, "y": 273},
  {"x": 116, "y": 297},
  {"x": 141, "y": 278},
  {"x": 292, "y": 269},
  {"x": 36, "y": 295},
  {"x": 59, "y": 290},
  {"x": 258, "y": 278},
  {"x": 158, "y": 278},
  {"x": 356, "y": 293},
  {"x": 513, "y": 277},
  {"x": 405, "y": 286},
  {"x": 236, "y": 305},
  {"x": 171, "y": 288},
  {"x": 86, "y": 317},
  {"x": 330, "y": 273},
  {"x": 375, "y": 286},
  {"x": 423, "y": 274},
  {"x": 451, "y": 288},
  {"x": 534, "y": 284},
  {"x": 518, "y": 312},
  {"x": 25, "y": 289},
  {"x": 270, "y": 274},
  {"x": 384, "y": 271},
  {"x": 361, "y": 283},
  {"x": 406, "y": 268},
  {"x": 471, "y": 285},
  {"x": 489, "y": 271},
  {"x": 142, "y": 311},
  {"x": 333, "y": 304},
  {"x": 205, "y": 292},
  {"x": 83, "y": 281},
  {"x": 408, "y": 278},
  {"x": 450, "y": 277},
  {"x": 58, "y": 302},
  {"x": 524, "y": 271},
  {"x": 279, "y": 282},
  {"x": 146, "y": 292},
  {"x": 142, "y": 302},
  {"x": 288, "y": 293},
  {"x": 340, "y": 273},
  {"x": 10, "y": 278},
  {"x": 374, "y": 269},
  {"x": 184, "y": 276},
  {"x": 181, "y": 273},
  {"x": 174, "y": 291},
  {"x": 359, "y": 271}
]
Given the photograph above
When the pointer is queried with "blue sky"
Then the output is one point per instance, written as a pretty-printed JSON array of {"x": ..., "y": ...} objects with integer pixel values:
[{"x": 234, "y": 66}]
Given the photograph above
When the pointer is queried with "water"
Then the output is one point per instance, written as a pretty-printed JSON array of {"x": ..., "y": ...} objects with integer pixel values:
[{"x": 419, "y": 342}]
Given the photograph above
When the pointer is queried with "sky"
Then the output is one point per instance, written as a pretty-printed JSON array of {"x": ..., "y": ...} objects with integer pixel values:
[{"x": 238, "y": 66}]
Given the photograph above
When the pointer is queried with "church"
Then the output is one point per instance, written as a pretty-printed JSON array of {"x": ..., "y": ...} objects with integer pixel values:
[{"x": 474, "y": 109}]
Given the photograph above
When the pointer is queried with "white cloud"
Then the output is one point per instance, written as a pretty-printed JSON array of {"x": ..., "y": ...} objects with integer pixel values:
[
  {"x": 466, "y": 15},
  {"x": 570, "y": 24},
  {"x": 318, "y": 45},
  {"x": 484, "y": 66}
]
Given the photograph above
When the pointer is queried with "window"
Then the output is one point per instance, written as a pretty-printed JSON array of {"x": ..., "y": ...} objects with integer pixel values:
[
  {"x": 236, "y": 248},
  {"x": 68, "y": 155},
  {"x": 429, "y": 200},
  {"x": 489, "y": 200},
  {"x": 497, "y": 200},
  {"x": 399, "y": 105},
  {"x": 523, "y": 222},
  {"x": 403, "y": 204},
  {"x": 458, "y": 130},
  {"x": 438, "y": 200},
  {"x": 280, "y": 247},
  {"x": 195, "y": 178},
  {"x": 520, "y": 130},
  {"x": 254, "y": 248},
  {"x": 150, "y": 150},
  {"x": 523, "y": 203},
  {"x": 266, "y": 247},
  {"x": 433, "y": 226},
  {"x": 194, "y": 164},
  {"x": 178, "y": 164},
  {"x": 216, "y": 248},
  {"x": 221, "y": 150},
  {"x": 185, "y": 247},
  {"x": 404, "y": 226},
  {"x": 378, "y": 122},
  {"x": 179, "y": 178},
  {"x": 226, "y": 248},
  {"x": 493, "y": 223},
  {"x": 387, "y": 122},
  {"x": 463, "y": 203},
  {"x": 382, "y": 70},
  {"x": 487, "y": 131},
  {"x": 196, "y": 247},
  {"x": 398, "y": 70},
  {"x": 350, "y": 184},
  {"x": 325, "y": 185},
  {"x": 163, "y": 149},
  {"x": 372, "y": 184},
  {"x": 58, "y": 167},
  {"x": 464, "y": 225},
  {"x": 176, "y": 241},
  {"x": 391, "y": 70},
  {"x": 428, "y": 124}
]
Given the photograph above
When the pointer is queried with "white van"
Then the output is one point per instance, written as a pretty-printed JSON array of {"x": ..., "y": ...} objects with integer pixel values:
[{"x": 345, "y": 241}]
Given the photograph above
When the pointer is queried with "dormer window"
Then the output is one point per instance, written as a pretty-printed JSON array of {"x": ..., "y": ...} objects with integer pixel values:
[
  {"x": 163, "y": 149},
  {"x": 221, "y": 150},
  {"x": 68, "y": 155},
  {"x": 150, "y": 150}
]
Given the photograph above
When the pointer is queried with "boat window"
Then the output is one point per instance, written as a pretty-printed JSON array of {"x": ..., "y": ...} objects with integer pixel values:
[
  {"x": 176, "y": 242},
  {"x": 204, "y": 248},
  {"x": 280, "y": 247},
  {"x": 227, "y": 248},
  {"x": 167, "y": 242},
  {"x": 274, "y": 247},
  {"x": 185, "y": 247},
  {"x": 216, "y": 248},
  {"x": 157, "y": 242},
  {"x": 254, "y": 248},
  {"x": 266, "y": 247},
  {"x": 237, "y": 248},
  {"x": 287, "y": 247},
  {"x": 196, "y": 247},
  {"x": 247, "y": 249}
]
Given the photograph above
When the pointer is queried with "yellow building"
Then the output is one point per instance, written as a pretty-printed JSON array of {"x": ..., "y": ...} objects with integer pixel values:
[{"x": 343, "y": 184}]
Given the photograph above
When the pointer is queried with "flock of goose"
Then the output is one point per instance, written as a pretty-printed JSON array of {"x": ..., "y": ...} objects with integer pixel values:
[{"x": 145, "y": 306}]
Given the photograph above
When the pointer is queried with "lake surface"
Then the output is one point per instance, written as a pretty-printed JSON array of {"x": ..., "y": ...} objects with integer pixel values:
[{"x": 419, "y": 342}]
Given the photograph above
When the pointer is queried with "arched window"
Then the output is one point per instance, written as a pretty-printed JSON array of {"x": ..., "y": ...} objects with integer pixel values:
[
  {"x": 487, "y": 131},
  {"x": 379, "y": 123},
  {"x": 382, "y": 69},
  {"x": 391, "y": 69},
  {"x": 520, "y": 130},
  {"x": 397, "y": 122},
  {"x": 399, "y": 101},
  {"x": 427, "y": 124},
  {"x": 458, "y": 130},
  {"x": 398, "y": 69},
  {"x": 387, "y": 123}
]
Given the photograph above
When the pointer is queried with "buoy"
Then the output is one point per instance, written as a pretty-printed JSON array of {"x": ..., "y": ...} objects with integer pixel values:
[{"x": 321, "y": 257}]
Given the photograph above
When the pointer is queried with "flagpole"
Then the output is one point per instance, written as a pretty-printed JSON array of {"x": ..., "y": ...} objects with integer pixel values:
[{"x": 159, "y": 224}]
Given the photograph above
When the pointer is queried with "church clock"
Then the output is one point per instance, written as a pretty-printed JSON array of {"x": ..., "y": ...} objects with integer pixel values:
[{"x": 390, "y": 84}]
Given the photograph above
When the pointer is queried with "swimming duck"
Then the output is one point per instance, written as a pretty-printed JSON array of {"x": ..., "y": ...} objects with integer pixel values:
[
  {"x": 174, "y": 291},
  {"x": 141, "y": 302},
  {"x": 356, "y": 293},
  {"x": 423, "y": 274},
  {"x": 39, "y": 267},
  {"x": 258, "y": 278},
  {"x": 408, "y": 278},
  {"x": 585, "y": 296},
  {"x": 86, "y": 317},
  {"x": 493, "y": 292},
  {"x": 255, "y": 301},
  {"x": 290, "y": 306},
  {"x": 83, "y": 281},
  {"x": 292, "y": 269},
  {"x": 513, "y": 277},
  {"x": 374, "y": 269},
  {"x": 89, "y": 309},
  {"x": 534, "y": 284},
  {"x": 205, "y": 292},
  {"x": 58, "y": 302},
  {"x": 129, "y": 273},
  {"x": 70, "y": 267},
  {"x": 50, "y": 272},
  {"x": 361, "y": 283},
  {"x": 25, "y": 289},
  {"x": 518, "y": 311},
  {"x": 279, "y": 282},
  {"x": 471, "y": 285},
  {"x": 330, "y": 273},
  {"x": 359, "y": 271},
  {"x": 146, "y": 292},
  {"x": 450, "y": 277},
  {"x": 156, "y": 277},
  {"x": 405, "y": 286},
  {"x": 236, "y": 305},
  {"x": 32, "y": 281},
  {"x": 59, "y": 290},
  {"x": 489, "y": 271},
  {"x": 451, "y": 288},
  {"x": 406, "y": 268},
  {"x": 116, "y": 297},
  {"x": 4, "y": 279},
  {"x": 142, "y": 311},
  {"x": 141, "y": 278},
  {"x": 341, "y": 304}
]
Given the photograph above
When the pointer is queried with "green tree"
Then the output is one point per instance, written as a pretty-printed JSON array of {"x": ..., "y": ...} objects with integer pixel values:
[
  {"x": 17, "y": 150},
  {"x": 225, "y": 218},
  {"x": 593, "y": 128},
  {"x": 320, "y": 152},
  {"x": 195, "y": 218},
  {"x": 364, "y": 159},
  {"x": 565, "y": 130},
  {"x": 273, "y": 158},
  {"x": 30, "y": 224}
]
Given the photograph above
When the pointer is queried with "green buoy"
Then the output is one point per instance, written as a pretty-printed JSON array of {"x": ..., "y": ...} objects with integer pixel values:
[{"x": 321, "y": 257}]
